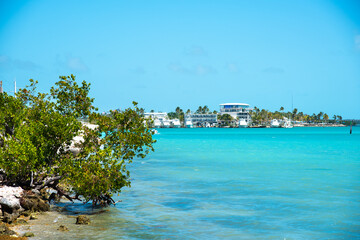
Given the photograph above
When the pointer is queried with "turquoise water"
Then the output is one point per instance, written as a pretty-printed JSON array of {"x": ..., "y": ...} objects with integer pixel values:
[{"x": 300, "y": 183}]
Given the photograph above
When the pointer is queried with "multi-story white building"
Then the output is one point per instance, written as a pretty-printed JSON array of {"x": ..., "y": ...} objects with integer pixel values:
[
  {"x": 156, "y": 115},
  {"x": 239, "y": 111},
  {"x": 205, "y": 120}
]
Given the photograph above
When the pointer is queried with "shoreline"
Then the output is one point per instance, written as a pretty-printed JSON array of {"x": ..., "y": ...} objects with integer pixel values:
[
  {"x": 45, "y": 226},
  {"x": 30, "y": 214},
  {"x": 57, "y": 223}
]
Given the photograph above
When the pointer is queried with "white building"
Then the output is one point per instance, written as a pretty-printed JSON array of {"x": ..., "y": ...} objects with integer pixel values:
[
  {"x": 205, "y": 120},
  {"x": 175, "y": 123},
  {"x": 156, "y": 115},
  {"x": 161, "y": 120},
  {"x": 239, "y": 111}
]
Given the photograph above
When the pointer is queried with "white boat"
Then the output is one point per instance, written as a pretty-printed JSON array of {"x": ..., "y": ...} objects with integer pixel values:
[
  {"x": 243, "y": 123},
  {"x": 275, "y": 123},
  {"x": 288, "y": 124},
  {"x": 154, "y": 131}
]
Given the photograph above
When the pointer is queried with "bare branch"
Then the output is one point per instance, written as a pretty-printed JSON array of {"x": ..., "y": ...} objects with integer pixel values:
[{"x": 47, "y": 182}]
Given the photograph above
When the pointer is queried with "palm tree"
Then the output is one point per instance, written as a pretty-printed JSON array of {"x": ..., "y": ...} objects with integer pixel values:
[
  {"x": 263, "y": 115},
  {"x": 313, "y": 117},
  {"x": 205, "y": 109},
  {"x": 178, "y": 110},
  {"x": 281, "y": 110},
  {"x": 334, "y": 117},
  {"x": 326, "y": 117},
  {"x": 182, "y": 117},
  {"x": 306, "y": 118},
  {"x": 320, "y": 114},
  {"x": 294, "y": 113},
  {"x": 300, "y": 116}
]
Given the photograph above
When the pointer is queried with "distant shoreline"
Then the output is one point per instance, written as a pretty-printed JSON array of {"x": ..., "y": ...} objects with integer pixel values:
[
  {"x": 263, "y": 126},
  {"x": 301, "y": 126}
]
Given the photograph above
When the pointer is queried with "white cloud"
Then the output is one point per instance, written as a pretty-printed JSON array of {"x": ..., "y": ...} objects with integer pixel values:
[
  {"x": 8, "y": 62},
  {"x": 76, "y": 64}
]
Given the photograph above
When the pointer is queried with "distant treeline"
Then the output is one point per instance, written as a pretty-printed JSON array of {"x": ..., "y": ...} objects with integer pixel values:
[{"x": 262, "y": 116}]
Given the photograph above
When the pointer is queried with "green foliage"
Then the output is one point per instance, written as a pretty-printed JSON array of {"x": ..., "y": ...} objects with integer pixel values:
[
  {"x": 172, "y": 115},
  {"x": 37, "y": 132},
  {"x": 263, "y": 117},
  {"x": 225, "y": 117},
  {"x": 71, "y": 98},
  {"x": 179, "y": 114},
  {"x": 202, "y": 110}
]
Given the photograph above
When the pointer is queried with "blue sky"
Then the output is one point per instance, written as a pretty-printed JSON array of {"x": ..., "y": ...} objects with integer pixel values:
[{"x": 165, "y": 54}]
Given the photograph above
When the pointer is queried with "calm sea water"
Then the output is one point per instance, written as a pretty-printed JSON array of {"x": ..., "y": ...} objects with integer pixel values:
[{"x": 300, "y": 183}]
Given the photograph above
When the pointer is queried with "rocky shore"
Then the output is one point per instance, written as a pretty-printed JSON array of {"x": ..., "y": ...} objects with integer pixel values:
[{"x": 20, "y": 208}]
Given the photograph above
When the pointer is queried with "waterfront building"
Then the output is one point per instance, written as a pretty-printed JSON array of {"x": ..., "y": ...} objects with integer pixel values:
[
  {"x": 161, "y": 120},
  {"x": 188, "y": 123},
  {"x": 200, "y": 120},
  {"x": 239, "y": 111},
  {"x": 156, "y": 115},
  {"x": 175, "y": 123}
]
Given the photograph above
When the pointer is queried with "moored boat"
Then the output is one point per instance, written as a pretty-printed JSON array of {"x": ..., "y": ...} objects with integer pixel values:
[
  {"x": 275, "y": 123},
  {"x": 243, "y": 123},
  {"x": 288, "y": 124}
]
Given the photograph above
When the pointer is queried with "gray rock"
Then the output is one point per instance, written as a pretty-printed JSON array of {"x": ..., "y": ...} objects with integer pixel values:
[
  {"x": 63, "y": 228},
  {"x": 34, "y": 203},
  {"x": 9, "y": 197},
  {"x": 28, "y": 234},
  {"x": 82, "y": 219}
]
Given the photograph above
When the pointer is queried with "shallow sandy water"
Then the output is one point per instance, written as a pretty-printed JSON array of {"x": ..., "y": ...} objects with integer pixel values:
[{"x": 47, "y": 224}]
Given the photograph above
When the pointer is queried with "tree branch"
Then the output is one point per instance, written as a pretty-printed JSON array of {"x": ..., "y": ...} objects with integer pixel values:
[{"x": 47, "y": 182}]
